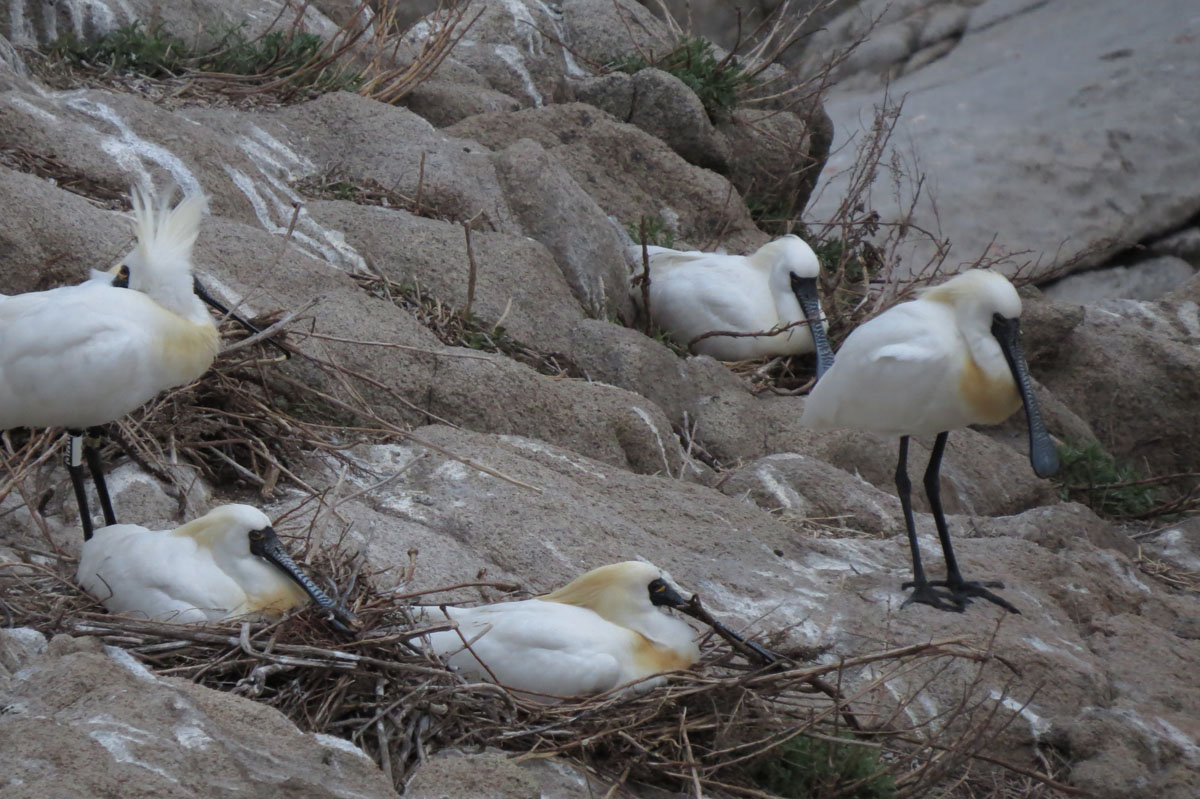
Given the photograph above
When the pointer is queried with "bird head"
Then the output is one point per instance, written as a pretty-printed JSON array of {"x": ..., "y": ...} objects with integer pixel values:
[
  {"x": 620, "y": 592},
  {"x": 236, "y": 532},
  {"x": 160, "y": 264},
  {"x": 985, "y": 299},
  {"x": 795, "y": 268}
]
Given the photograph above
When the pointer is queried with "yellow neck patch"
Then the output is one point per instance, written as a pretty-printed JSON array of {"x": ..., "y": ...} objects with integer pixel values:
[{"x": 991, "y": 398}]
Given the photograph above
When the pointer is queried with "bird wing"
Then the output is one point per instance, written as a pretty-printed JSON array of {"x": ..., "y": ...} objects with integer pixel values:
[
  {"x": 149, "y": 574},
  {"x": 890, "y": 376},
  {"x": 542, "y": 647},
  {"x": 696, "y": 293},
  {"x": 78, "y": 355}
]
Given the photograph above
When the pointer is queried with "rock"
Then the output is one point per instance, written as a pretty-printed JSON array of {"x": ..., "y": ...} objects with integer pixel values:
[
  {"x": 979, "y": 476},
  {"x": 82, "y": 720},
  {"x": 1000, "y": 111},
  {"x": 488, "y": 775},
  {"x": 362, "y": 139},
  {"x": 491, "y": 774},
  {"x": 1143, "y": 385},
  {"x": 527, "y": 50},
  {"x": 443, "y": 102},
  {"x": 516, "y": 279},
  {"x": 627, "y": 172},
  {"x": 40, "y": 23},
  {"x": 945, "y": 22},
  {"x": 553, "y": 209},
  {"x": 1183, "y": 244},
  {"x": 36, "y": 256},
  {"x": 1178, "y": 545},
  {"x": 603, "y": 31},
  {"x": 663, "y": 106},
  {"x": 1145, "y": 280},
  {"x": 19, "y": 646},
  {"x": 801, "y": 486},
  {"x": 778, "y": 155}
]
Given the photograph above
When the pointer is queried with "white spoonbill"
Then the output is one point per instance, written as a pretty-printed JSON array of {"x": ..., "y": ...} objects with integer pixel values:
[
  {"x": 946, "y": 360},
  {"x": 80, "y": 356},
  {"x": 227, "y": 563},
  {"x": 693, "y": 293},
  {"x": 602, "y": 630}
]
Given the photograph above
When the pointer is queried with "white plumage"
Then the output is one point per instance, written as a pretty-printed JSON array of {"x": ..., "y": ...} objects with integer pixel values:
[
  {"x": 692, "y": 293},
  {"x": 946, "y": 360},
  {"x": 79, "y": 356},
  {"x": 226, "y": 563},
  {"x": 601, "y": 631}
]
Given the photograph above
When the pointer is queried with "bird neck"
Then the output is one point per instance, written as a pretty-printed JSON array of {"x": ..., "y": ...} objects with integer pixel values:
[
  {"x": 787, "y": 306},
  {"x": 665, "y": 632},
  {"x": 985, "y": 350}
]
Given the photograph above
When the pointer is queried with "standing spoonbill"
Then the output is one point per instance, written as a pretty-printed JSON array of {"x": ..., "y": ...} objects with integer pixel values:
[
  {"x": 601, "y": 631},
  {"x": 225, "y": 564},
  {"x": 946, "y": 360},
  {"x": 693, "y": 293},
  {"x": 81, "y": 356}
]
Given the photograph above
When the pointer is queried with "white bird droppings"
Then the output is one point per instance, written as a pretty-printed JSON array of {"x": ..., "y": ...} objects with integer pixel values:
[
  {"x": 1038, "y": 726},
  {"x": 533, "y": 446},
  {"x": 191, "y": 737},
  {"x": 132, "y": 151},
  {"x": 129, "y": 663},
  {"x": 516, "y": 62},
  {"x": 341, "y": 744},
  {"x": 120, "y": 738},
  {"x": 645, "y": 417}
]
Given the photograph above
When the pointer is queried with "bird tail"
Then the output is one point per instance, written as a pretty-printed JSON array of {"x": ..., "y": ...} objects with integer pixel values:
[{"x": 165, "y": 235}]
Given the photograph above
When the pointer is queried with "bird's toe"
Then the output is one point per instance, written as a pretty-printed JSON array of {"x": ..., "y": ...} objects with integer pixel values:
[{"x": 926, "y": 594}]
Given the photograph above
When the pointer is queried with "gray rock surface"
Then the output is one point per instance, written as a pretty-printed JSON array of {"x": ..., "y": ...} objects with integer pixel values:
[
  {"x": 648, "y": 454},
  {"x": 628, "y": 172},
  {"x": 1053, "y": 147},
  {"x": 82, "y": 720},
  {"x": 1145, "y": 280},
  {"x": 663, "y": 106}
]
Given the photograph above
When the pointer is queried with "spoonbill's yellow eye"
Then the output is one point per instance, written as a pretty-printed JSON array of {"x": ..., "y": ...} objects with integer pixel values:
[{"x": 121, "y": 281}]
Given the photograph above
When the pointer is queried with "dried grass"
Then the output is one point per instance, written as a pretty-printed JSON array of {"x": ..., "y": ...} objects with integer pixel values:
[
  {"x": 370, "y": 54},
  {"x": 706, "y": 729}
]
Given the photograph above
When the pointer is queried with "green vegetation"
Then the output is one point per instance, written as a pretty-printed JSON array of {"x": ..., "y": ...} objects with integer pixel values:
[
  {"x": 293, "y": 55},
  {"x": 716, "y": 83},
  {"x": 1090, "y": 475},
  {"x": 818, "y": 768}
]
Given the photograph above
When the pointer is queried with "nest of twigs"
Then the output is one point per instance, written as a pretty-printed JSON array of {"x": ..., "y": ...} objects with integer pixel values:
[
  {"x": 730, "y": 726},
  {"x": 724, "y": 727}
]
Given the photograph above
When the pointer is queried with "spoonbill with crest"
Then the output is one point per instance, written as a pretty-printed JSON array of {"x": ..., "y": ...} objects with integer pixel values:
[
  {"x": 227, "y": 563},
  {"x": 772, "y": 289},
  {"x": 946, "y": 360},
  {"x": 84, "y": 355},
  {"x": 601, "y": 631}
]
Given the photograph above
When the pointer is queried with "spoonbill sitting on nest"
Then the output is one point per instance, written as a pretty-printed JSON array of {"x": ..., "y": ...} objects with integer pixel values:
[
  {"x": 773, "y": 289},
  {"x": 601, "y": 631},
  {"x": 227, "y": 563},
  {"x": 948, "y": 359},
  {"x": 81, "y": 356}
]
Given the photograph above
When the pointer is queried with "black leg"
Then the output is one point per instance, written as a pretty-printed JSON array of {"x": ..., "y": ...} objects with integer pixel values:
[
  {"x": 960, "y": 589},
  {"x": 75, "y": 469},
  {"x": 923, "y": 591},
  {"x": 91, "y": 451}
]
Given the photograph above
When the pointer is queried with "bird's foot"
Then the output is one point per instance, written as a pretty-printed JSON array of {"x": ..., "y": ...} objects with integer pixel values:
[
  {"x": 925, "y": 594},
  {"x": 966, "y": 590}
]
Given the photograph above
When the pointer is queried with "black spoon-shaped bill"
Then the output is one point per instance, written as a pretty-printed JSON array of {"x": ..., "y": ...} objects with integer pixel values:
[
  {"x": 1043, "y": 455},
  {"x": 805, "y": 289},
  {"x": 266, "y": 544},
  {"x": 220, "y": 308}
]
